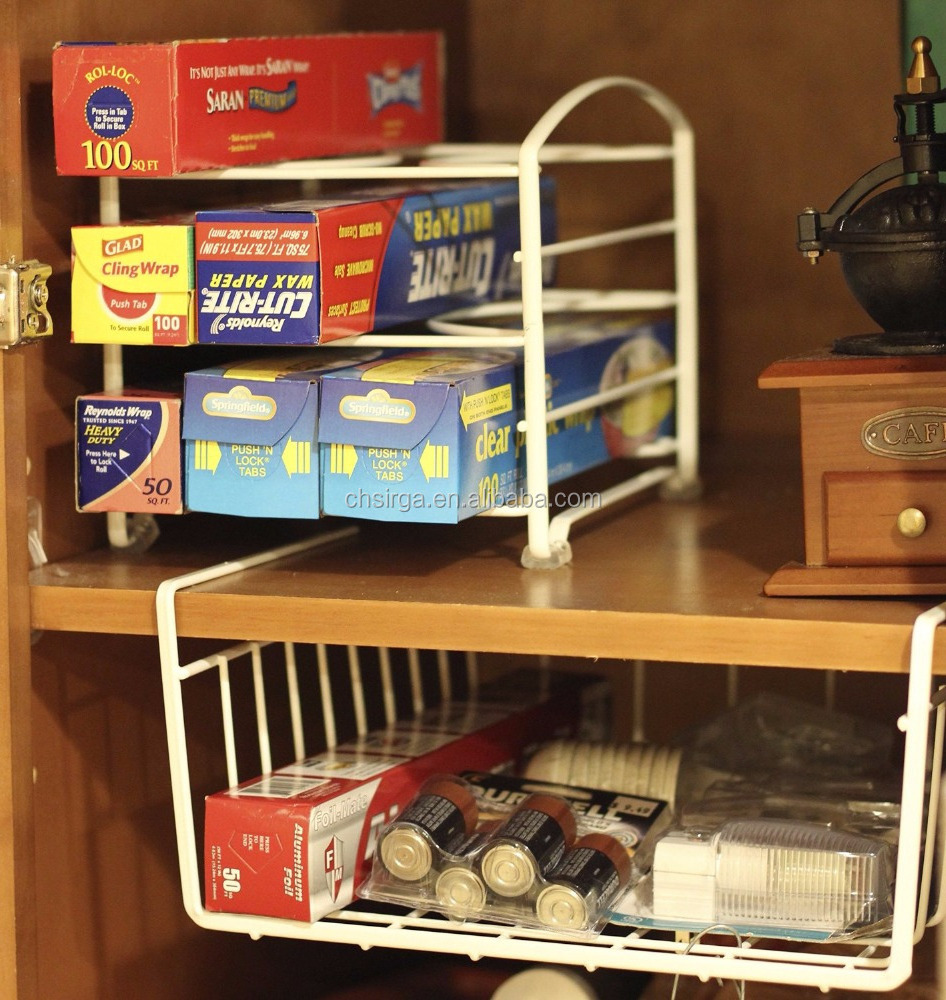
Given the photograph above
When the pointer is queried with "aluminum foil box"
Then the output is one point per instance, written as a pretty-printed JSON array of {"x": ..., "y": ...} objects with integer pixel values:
[
  {"x": 165, "y": 108},
  {"x": 297, "y": 843},
  {"x": 128, "y": 452},
  {"x": 249, "y": 432},
  {"x": 305, "y": 272},
  {"x": 427, "y": 436}
]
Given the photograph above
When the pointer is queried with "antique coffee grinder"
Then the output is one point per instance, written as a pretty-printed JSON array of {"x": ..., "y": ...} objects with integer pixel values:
[{"x": 873, "y": 406}]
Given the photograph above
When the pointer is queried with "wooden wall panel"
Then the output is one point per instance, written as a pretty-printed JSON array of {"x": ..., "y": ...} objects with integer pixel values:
[{"x": 789, "y": 103}]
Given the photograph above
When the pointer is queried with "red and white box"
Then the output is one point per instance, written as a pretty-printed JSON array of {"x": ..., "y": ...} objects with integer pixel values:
[
  {"x": 159, "y": 109},
  {"x": 299, "y": 842}
]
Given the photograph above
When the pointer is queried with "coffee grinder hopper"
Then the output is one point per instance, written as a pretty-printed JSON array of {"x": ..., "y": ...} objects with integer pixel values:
[{"x": 892, "y": 245}]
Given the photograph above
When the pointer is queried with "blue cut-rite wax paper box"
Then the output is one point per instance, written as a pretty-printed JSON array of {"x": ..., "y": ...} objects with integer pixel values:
[
  {"x": 307, "y": 272},
  {"x": 250, "y": 445},
  {"x": 425, "y": 436}
]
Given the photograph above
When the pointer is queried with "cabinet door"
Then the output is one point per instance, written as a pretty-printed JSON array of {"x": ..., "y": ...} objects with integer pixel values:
[{"x": 17, "y": 878}]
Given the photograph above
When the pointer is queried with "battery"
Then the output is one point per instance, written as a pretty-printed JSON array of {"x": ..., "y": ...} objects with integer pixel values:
[
  {"x": 460, "y": 891},
  {"x": 590, "y": 874},
  {"x": 530, "y": 843},
  {"x": 439, "y": 818}
]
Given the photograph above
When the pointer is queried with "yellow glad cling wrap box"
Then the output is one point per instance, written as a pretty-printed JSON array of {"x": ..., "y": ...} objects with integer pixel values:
[
  {"x": 426, "y": 436},
  {"x": 249, "y": 431},
  {"x": 133, "y": 284}
]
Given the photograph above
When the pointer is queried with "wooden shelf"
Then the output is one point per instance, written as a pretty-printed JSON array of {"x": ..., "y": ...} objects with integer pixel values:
[{"x": 655, "y": 580}]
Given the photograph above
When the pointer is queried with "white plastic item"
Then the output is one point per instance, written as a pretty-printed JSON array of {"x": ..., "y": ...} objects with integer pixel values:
[
  {"x": 645, "y": 769},
  {"x": 773, "y": 873}
]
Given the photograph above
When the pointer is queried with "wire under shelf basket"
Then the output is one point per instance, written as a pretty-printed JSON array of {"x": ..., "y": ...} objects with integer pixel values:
[{"x": 260, "y": 682}]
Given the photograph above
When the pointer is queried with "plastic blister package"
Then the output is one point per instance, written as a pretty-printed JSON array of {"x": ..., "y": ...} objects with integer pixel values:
[
  {"x": 859, "y": 806},
  {"x": 501, "y": 848},
  {"x": 778, "y": 877}
]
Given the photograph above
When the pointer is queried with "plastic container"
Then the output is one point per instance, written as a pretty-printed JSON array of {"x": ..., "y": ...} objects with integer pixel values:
[
  {"x": 770, "y": 872},
  {"x": 536, "y": 859}
]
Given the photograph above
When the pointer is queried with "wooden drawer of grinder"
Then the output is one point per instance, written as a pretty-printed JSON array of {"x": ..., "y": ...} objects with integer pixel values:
[{"x": 885, "y": 518}]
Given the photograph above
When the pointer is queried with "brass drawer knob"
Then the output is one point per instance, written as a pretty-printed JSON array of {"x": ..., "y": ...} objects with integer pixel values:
[{"x": 911, "y": 522}]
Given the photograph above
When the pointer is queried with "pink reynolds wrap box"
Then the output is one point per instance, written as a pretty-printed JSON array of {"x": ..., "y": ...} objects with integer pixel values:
[
  {"x": 158, "y": 109},
  {"x": 128, "y": 452},
  {"x": 297, "y": 843}
]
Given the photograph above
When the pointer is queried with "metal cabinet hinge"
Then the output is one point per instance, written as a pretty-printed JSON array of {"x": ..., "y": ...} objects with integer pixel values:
[{"x": 23, "y": 297}]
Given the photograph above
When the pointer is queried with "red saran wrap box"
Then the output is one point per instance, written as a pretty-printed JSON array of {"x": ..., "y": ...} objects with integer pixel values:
[{"x": 159, "y": 109}]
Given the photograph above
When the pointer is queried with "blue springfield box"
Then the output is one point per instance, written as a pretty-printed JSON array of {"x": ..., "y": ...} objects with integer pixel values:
[
  {"x": 596, "y": 353},
  {"x": 249, "y": 432},
  {"x": 128, "y": 452},
  {"x": 307, "y": 272},
  {"x": 423, "y": 436}
]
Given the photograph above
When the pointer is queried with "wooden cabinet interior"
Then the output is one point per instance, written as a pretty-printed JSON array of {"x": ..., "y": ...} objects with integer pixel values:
[{"x": 88, "y": 896}]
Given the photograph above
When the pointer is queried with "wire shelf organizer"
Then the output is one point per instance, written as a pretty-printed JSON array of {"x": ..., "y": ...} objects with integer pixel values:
[
  {"x": 870, "y": 964},
  {"x": 547, "y": 545}
]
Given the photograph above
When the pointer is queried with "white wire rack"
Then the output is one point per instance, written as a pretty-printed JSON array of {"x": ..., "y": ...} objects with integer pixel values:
[
  {"x": 548, "y": 544},
  {"x": 875, "y": 964}
]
